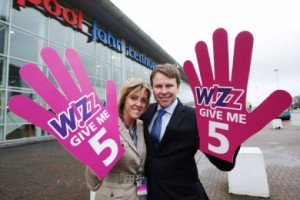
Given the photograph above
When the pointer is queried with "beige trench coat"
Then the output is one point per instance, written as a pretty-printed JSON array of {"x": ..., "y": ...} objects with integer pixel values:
[{"x": 119, "y": 182}]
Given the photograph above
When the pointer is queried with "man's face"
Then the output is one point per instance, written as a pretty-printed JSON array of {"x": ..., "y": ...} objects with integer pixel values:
[{"x": 164, "y": 89}]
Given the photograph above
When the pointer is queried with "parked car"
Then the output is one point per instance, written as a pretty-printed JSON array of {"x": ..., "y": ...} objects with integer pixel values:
[{"x": 285, "y": 115}]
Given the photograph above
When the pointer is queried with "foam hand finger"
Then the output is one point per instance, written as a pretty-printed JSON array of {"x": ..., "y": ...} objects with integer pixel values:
[
  {"x": 78, "y": 120},
  {"x": 191, "y": 74},
  {"x": 258, "y": 117},
  {"x": 222, "y": 117},
  {"x": 22, "y": 105}
]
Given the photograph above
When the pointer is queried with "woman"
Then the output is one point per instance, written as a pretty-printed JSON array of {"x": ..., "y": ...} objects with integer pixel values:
[{"x": 120, "y": 182}]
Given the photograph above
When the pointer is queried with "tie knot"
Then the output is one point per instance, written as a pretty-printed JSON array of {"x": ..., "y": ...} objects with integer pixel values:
[{"x": 161, "y": 112}]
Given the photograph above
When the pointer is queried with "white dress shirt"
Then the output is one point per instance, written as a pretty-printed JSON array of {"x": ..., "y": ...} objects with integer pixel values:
[{"x": 165, "y": 118}]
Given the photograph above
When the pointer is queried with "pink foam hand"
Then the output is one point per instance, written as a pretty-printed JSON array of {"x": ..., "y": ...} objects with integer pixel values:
[
  {"x": 78, "y": 120},
  {"x": 220, "y": 98}
]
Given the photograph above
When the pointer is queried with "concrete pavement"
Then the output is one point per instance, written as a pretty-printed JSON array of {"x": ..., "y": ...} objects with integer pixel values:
[
  {"x": 281, "y": 152},
  {"x": 45, "y": 170}
]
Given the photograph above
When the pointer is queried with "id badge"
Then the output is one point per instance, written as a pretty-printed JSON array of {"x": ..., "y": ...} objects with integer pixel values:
[{"x": 141, "y": 186}]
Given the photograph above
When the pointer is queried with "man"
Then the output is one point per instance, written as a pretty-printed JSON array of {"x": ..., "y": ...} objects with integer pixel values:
[{"x": 170, "y": 165}]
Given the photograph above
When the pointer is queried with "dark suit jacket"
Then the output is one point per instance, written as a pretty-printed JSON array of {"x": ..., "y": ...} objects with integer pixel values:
[{"x": 171, "y": 168}]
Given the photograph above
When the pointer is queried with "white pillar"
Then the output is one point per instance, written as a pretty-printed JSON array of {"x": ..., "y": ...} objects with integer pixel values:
[
  {"x": 92, "y": 195},
  {"x": 249, "y": 175},
  {"x": 277, "y": 124}
]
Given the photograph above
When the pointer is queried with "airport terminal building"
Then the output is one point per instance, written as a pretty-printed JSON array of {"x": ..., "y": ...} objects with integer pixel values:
[{"x": 110, "y": 45}]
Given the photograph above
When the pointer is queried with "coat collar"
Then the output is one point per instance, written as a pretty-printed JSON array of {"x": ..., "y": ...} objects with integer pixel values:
[{"x": 125, "y": 135}]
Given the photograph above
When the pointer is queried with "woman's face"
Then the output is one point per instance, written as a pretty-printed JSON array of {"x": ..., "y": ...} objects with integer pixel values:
[{"x": 135, "y": 104}]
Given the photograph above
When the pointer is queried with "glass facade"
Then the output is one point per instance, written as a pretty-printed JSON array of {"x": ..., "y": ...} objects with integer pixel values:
[{"x": 24, "y": 32}]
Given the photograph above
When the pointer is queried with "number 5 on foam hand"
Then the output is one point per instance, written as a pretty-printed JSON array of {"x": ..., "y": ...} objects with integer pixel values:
[
  {"x": 222, "y": 118},
  {"x": 77, "y": 119}
]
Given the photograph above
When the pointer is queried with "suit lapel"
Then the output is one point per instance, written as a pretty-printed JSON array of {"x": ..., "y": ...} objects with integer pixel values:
[
  {"x": 177, "y": 116},
  {"x": 147, "y": 117}
]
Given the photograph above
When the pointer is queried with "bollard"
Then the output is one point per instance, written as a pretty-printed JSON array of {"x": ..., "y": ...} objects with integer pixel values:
[
  {"x": 277, "y": 124},
  {"x": 249, "y": 175}
]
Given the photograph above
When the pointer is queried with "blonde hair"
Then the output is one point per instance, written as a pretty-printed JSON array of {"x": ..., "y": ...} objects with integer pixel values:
[{"x": 130, "y": 85}]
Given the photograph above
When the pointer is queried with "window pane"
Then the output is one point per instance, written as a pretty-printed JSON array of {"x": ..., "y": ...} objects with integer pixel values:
[
  {"x": 15, "y": 129},
  {"x": 4, "y": 10},
  {"x": 128, "y": 68},
  {"x": 2, "y": 71},
  {"x": 14, "y": 78},
  {"x": 11, "y": 118},
  {"x": 1, "y": 133},
  {"x": 63, "y": 35},
  {"x": 3, "y": 38},
  {"x": 137, "y": 70},
  {"x": 100, "y": 90},
  {"x": 103, "y": 52},
  {"x": 26, "y": 46},
  {"x": 118, "y": 88},
  {"x": 116, "y": 58},
  {"x": 116, "y": 75},
  {"x": 146, "y": 74},
  {"x": 20, "y": 131},
  {"x": 89, "y": 65},
  {"x": 128, "y": 76},
  {"x": 37, "y": 23},
  {"x": 129, "y": 65},
  {"x": 2, "y": 107},
  {"x": 83, "y": 44},
  {"x": 102, "y": 70}
]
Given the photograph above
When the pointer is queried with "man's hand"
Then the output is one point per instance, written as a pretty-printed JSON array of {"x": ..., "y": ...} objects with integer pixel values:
[
  {"x": 220, "y": 98},
  {"x": 77, "y": 119}
]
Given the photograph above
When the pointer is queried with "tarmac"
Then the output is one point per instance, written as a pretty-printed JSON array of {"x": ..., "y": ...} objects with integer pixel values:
[{"x": 45, "y": 170}]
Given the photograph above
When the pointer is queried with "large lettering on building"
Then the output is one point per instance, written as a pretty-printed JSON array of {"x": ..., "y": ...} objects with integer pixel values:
[
  {"x": 104, "y": 36},
  {"x": 53, "y": 8},
  {"x": 138, "y": 57}
]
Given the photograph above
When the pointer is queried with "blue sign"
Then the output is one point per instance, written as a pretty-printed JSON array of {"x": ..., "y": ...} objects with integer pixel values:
[{"x": 106, "y": 37}]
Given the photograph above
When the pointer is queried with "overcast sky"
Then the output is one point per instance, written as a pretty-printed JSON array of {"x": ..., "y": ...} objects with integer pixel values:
[{"x": 178, "y": 25}]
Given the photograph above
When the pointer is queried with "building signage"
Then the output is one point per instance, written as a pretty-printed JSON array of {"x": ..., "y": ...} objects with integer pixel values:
[
  {"x": 104, "y": 36},
  {"x": 53, "y": 8},
  {"x": 138, "y": 57}
]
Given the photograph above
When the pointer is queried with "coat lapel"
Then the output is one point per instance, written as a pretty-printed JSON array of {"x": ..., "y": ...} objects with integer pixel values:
[{"x": 125, "y": 134}]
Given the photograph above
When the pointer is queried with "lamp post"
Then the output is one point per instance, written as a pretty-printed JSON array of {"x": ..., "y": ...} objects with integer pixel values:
[{"x": 276, "y": 73}]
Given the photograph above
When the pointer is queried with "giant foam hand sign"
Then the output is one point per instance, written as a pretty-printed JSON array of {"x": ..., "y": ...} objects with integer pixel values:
[
  {"x": 78, "y": 120},
  {"x": 220, "y": 98}
]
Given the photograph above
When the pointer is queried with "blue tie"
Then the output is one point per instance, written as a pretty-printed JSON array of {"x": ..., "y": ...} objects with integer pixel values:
[{"x": 156, "y": 127}]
